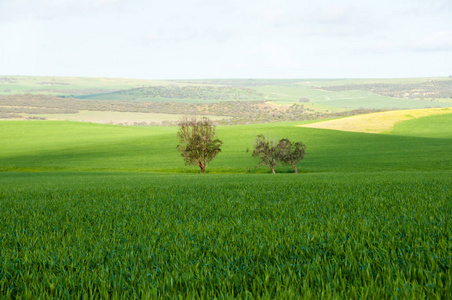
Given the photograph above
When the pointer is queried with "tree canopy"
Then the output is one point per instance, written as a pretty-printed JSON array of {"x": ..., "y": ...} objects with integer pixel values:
[
  {"x": 291, "y": 152},
  {"x": 266, "y": 150},
  {"x": 197, "y": 142},
  {"x": 271, "y": 153}
]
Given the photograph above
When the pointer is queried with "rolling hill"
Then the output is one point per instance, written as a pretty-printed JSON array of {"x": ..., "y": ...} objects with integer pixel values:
[
  {"x": 105, "y": 211},
  {"x": 53, "y": 145},
  {"x": 231, "y": 101}
]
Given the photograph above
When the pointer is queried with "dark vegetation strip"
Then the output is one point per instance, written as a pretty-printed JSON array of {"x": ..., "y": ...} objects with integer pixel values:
[
  {"x": 199, "y": 92},
  {"x": 238, "y": 112},
  {"x": 429, "y": 89}
]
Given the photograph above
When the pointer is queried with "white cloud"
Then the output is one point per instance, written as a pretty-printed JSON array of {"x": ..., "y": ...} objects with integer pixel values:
[
  {"x": 334, "y": 14},
  {"x": 436, "y": 42},
  {"x": 439, "y": 41},
  {"x": 52, "y": 9}
]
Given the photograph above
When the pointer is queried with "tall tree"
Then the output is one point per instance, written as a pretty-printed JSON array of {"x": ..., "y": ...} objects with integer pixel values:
[
  {"x": 267, "y": 151},
  {"x": 197, "y": 142},
  {"x": 291, "y": 152}
]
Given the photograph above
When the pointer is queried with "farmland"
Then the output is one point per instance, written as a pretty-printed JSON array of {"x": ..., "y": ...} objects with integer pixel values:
[
  {"x": 102, "y": 211},
  {"x": 144, "y": 235},
  {"x": 383, "y": 121},
  {"x": 230, "y": 101},
  {"x": 72, "y": 146}
]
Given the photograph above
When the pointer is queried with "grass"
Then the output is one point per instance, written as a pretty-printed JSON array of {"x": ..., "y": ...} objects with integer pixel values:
[
  {"x": 279, "y": 91},
  {"x": 368, "y": 217},
  {"x": 40, "y": 84},
  {"x": 352, "y": 99},
  {"x": 338, "y": 82},
  {"x": 428, "y": 126},
  {"x": 47, "y": 145},
  {"x": 132, "y": 235}
]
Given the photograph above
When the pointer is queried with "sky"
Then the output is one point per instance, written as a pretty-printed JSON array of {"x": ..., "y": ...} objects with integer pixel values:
[{"x": 200, "y": 39}]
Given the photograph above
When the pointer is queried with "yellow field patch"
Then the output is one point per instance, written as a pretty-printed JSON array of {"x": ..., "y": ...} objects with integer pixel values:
[{"x": 380, "y": 122}]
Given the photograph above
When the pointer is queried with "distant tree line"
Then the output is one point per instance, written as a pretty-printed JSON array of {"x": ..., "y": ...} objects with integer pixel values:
[
  {"x": 53, "y": 82},
  {"x": 73, "y": 93},
  {"x": 243, "y": 82},
  {"x": 37, "y": 110},
  {"x": 8, "y": 80},
  {"x": 195, "y": 92},
  {"x": 428, "y": 89},
  {"x": 235, "y": 112}
]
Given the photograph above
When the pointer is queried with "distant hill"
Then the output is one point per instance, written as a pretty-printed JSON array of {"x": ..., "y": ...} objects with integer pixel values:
[{"x": 229, "y": 101}]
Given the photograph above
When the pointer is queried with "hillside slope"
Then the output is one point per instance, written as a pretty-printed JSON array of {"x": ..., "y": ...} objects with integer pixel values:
[
  {"x": 379, "y": 122},
  {"x": 47, "y": 145}
]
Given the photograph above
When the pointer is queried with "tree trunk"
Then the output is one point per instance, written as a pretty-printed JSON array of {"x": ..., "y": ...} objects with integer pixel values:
[
  {"x": 273, "y": 170},
  {"x": 201, "y": 165},
  {"x": 294, "y": 167}
]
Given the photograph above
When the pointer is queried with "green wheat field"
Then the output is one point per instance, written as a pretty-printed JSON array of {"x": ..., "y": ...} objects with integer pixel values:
[{"x": 95, "y": 211}]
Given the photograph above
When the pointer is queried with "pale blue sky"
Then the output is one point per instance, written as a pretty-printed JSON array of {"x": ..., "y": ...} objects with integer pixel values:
[{"x": 174, "y": 39}]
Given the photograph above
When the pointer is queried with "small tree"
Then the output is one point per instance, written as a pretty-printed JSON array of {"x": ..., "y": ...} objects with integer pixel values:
[
  {"x": 267, "y": 151},
  {"x": 291, "y": 153},
  {"x": 197, "y": 142}
]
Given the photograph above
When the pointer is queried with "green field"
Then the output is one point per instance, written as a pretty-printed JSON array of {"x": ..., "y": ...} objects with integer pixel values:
[
  {"x": 53, "y": 145},
  {"x": 138, "y": 235},
  {"x": 428, "y": 127},
  {"x": 101, "y": 211},
  {"x": 356, "y": 93},
  {"x": 67, "y": 85},
  {"x": 350, "y": 99}
]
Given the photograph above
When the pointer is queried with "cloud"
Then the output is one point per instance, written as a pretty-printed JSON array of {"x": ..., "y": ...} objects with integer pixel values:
[
  {"x": 17, "y": 10},
  {"x": 333, "y": 14},
  {"x": 216, "y": 36},
  {"x": 329, "y": 20},
  {"x": 439, "y": 41}
]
